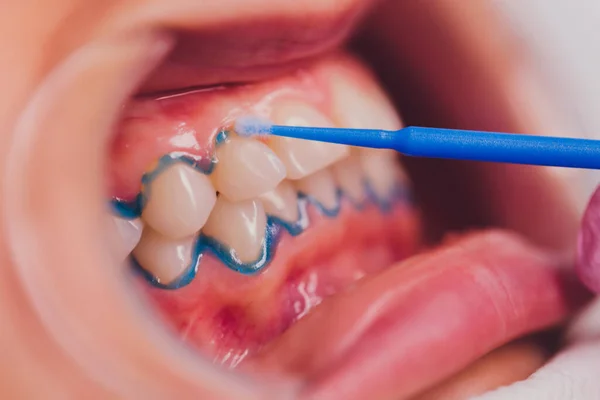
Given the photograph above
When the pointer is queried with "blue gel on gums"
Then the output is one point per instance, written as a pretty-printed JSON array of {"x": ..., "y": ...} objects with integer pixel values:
[
  {"x": 275, "y": 226},
  {"x": 227, "y": 256},
  {"x": 399, "y": 193},
  {"x": 133, "y": 209},
  {"x": 274, "y": 229},
  {"x": 293, "y": 228},
  {"x": 330, "y": 212}
]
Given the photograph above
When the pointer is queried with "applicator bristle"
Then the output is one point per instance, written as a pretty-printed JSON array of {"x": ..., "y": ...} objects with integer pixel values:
[{"x": 252, "y": 126}]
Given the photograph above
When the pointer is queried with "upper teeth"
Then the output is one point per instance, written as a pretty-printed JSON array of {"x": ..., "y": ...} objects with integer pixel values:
[
  {"x": 304, "y": 157},
  {"x": 246, "y": 168},
  {"x": 382, "y": 169},
  {"x": 350, "y": 176},
  {"x": 179, "y": 202},
  {"x": 362, "y": 108},
  {"x": 250, "y": 178}
]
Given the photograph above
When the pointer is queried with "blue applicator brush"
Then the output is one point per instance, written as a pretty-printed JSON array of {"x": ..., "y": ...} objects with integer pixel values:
[{"x": 446, "y": 143}]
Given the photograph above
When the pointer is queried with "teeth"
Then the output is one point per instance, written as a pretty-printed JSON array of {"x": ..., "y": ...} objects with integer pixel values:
[
  {"x": 240, "y": 225},
  {"x": 180, "y": 200},
  {"x": 128, "y": 234},
  {"x": 247, "y": 168},
  {"x": 165, "y": 258},
  {"x": 282, "y": 202},
  {"x": 303, "y": 157},
  {"x": 320, "y": 186},
  {"x": 350, "y": 176},
  {"x": 383, "y": 170},
  {"x": 367, "y": 108}
]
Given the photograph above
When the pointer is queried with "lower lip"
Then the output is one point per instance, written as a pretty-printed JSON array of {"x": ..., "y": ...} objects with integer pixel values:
[{"x": 425, "y": 319}]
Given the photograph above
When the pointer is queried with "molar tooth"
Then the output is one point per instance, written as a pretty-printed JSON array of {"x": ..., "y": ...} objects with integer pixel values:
[
  {"x": 180, "y": 201},
  {"x": 349, "y": 176},
  {"x": 165, "y": 258},
  {"x": 282, "y": 202},
  {"x": 239, "y": 225},
  {"x": 246, "y": 168},
  {"x": 128, "y": 234},
  {"x": 320, "y": 186},
  {"x": 303, "y": 157},
  {"x": 363, "y": 107},
  {"x": 383, "y": 170}
]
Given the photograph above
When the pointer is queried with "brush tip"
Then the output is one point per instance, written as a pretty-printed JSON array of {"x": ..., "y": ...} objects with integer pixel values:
[{"x": 251, "y": 126}]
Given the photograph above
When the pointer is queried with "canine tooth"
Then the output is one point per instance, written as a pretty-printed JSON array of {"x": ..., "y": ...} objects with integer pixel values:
[
  {"x": 362, "y": 107},
  {"x": 282, "y": 202},
  {"x": 303, "y": 157},
  {"x": 180, "y": 201},
  {"x": 349, "y": 176},
  {"x": 246, "y": 169},
  {"x": 320, "y": 186},
  {"x": 165, "y": 258},
  {"x": 383, "y": 170},
  {"x": 128, "y": 234},
  {"x": 239, "y": 225}
]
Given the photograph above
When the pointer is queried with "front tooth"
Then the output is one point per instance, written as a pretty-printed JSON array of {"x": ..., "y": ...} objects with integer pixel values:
[
  {"x": 321, "y": 187},
  {"x": 239, "y": 225},
  {"x": 282, "y": 202},
  {"x": 246, "y": 168},
  {"x": 362, "y": 107},
  {"x": 382, "y": 170},
  {"x": 163, "y": 257},
  {"x": 180, "y": 201},
  {"x": 128, "y": 234},
  {"x": 303, "y": 157},
  {"x": 349, "y": 176}
]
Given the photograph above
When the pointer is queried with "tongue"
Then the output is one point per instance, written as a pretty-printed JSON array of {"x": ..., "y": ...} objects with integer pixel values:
[{"x": 424, "y": 319}]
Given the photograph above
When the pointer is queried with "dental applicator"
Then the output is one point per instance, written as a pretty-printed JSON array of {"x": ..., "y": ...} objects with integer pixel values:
[{"x": 445, "y": 143}]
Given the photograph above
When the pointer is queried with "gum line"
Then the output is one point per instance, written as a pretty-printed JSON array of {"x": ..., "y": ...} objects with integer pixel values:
[{"x": 133, "y": 209}]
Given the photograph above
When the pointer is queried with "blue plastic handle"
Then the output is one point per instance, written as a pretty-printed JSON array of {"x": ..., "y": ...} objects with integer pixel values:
[
  {"x": 461, "y": 144},
  {"x": 498, "y": 147}
]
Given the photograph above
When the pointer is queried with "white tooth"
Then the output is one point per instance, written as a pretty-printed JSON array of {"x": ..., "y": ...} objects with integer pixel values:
[
  {"x": 165, "y": 258},
  {"x": 303, "y": 157},
  {"x": 320, "y": 186},
  {"x": 383, "y": 170},
  {"x": 349, "y": 176},
  {"x": 362, "y": 107},
  {"x": 282, "y": 202},
  {"x": 180, "y": 200},
  {"x": 128, "y": 234},
  {"x": 246, "y": 169},
  {"x": 240, "y": 225}
]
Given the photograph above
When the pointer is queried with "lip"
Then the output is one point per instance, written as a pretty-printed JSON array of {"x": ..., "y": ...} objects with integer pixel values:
[
  {"x": 281, "y": 38},
  {"x": 428, "y": 317}
]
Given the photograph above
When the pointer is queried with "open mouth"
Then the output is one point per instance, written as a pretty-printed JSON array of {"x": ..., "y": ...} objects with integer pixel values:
[{"x": 356, "y": 272}]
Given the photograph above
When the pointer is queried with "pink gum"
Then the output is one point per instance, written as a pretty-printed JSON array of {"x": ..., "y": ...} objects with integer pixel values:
[
  {"x": 188, "y": 122},
  {"x": 220, "y": 303}
]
